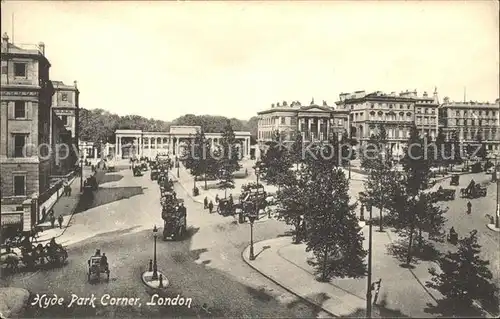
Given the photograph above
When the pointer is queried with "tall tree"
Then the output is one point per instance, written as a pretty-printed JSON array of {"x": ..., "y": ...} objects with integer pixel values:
[
  {"x": 292, "y": 207},
  {"x": 197, "y": 158},
  {"x": 480, "y": 150},
  {"x": 453, "y": 150},
  {"x": 333, "y": 231},
  {"x": 413, "y": 210},
  {"x": 464, "y": 277},
  {"x": 377, "y": 161},
  {"x": 228, "y": 163},
  {"x": 276, "y": 162},
  {"x": 441, "y": 153}
]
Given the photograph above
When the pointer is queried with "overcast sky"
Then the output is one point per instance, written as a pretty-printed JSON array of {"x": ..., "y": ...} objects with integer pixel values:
[{"x": 166, "y": 59}]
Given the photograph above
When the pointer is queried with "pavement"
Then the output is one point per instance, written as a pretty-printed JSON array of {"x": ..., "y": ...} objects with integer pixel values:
[
  {"x": 286, "y": 264},
  {"x": 65, "y": 206},
  {"x": 403, "y": 291},
  {"x": 206, "y": 266}
]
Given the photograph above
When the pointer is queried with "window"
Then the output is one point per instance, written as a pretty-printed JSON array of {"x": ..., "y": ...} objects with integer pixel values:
[
  {"x": 64, "y": 118},
  {"x": 19, "y": 185},
  {"x": 20, "y": 69},
  {"x": 19, "y": 143},
  {"x": 64, "y": 96},
  {"x": 19, "y": 109},
  {"x": 457, "y": 113},
  {"x": 4, "y": 69}
]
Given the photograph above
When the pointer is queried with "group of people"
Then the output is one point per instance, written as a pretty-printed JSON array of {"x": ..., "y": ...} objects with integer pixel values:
[{"x": 209, "y": 204}]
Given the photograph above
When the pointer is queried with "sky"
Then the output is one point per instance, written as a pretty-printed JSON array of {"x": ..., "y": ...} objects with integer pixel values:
[{"x": 166, "y": 59}]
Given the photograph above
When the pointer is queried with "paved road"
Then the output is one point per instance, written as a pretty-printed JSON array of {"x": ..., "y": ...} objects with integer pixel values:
[
  {"x": 463, "y": 223},
  {"x": 206, "y": 267}
]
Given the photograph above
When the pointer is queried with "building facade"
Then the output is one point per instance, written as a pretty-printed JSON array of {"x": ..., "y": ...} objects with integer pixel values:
[
  {"x": 314, "y": 122},
  {"x": 66, "y": 110},
  {"x": 136, "y": 143},
  {"x": 26, "y": 98},
  {"x": 397, "y": 112},
  {"x": 471, "y": 121},
  {"x": 66, "y": 106}
]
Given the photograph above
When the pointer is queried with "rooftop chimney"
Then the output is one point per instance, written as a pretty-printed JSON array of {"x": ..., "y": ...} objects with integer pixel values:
[
  {"x": 75, "y": 83},
  {"x": 41, "y": 45}
]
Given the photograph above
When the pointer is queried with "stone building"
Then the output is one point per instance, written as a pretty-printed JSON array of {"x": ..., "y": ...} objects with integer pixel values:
[
  {"x": 25, "y": 126},
  {"x": 397, "y": 112},
  {"x": 136, "y": 143},
  {"x": 65, "y": 106},
  {"x": 471, "y": 120},
  {"x": 314, "y": 122}
]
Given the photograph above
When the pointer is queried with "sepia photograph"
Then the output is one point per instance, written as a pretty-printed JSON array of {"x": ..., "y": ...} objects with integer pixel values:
[{"x": 250, "y": 159}]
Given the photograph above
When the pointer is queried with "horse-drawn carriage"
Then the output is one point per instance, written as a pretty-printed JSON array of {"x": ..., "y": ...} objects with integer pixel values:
[
  {"x": 97, "y": 266},
  {"x": 475, "y": 191},
  {"x": 32, "y": 256},
  {"x": 143, "y": 164},
  {"x": 443, "y": 194},
  {"x": 136, "y": 169},
  {"x": 455, "y": 180},
  {"x": 226, "y": 207},
  {"x": 174, "y": 219}
]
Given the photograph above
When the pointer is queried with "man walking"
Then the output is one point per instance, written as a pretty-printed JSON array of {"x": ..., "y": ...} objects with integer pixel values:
[
  {"x": 210, "y": 206},
  {"x": 469, "y": 207},
  {"x": 60, "y": 220},
  {"x": 52, "y": 220},
  {"x": 205, "y": 203}
]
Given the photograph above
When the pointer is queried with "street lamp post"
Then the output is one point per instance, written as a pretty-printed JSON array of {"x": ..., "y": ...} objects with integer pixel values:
[
  {"x": 251, "y": 218},
  {"x": 178, "y": 164},
  {"x": 369, "y": 283},
  {"x": 81, "y": 173},
  {"x": 155, "y": 265},
  {"x": 257, "y": 173}
]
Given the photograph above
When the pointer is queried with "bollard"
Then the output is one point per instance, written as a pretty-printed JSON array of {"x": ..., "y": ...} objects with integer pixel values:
[
  {"x": 160, "y": 285},
  {"x": 150, "y": 265}
]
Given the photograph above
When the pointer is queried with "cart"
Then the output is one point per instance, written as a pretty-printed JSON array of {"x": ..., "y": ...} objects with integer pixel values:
[
  {"x": 174, "y": 222},
  {"x": 96, "y": 268}
]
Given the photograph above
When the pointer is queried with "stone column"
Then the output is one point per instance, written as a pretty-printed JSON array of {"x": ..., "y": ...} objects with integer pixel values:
[
  {"x": 309, "y": 122},
  {"x": 327, "y": 128},
  {"x": 118, "y": 146},
  {"x": 248, "y": 147},
  {"x": 170, "y": 144},
  {"x": 319, "y": 121},
  {"x": 139, "y": 148}
]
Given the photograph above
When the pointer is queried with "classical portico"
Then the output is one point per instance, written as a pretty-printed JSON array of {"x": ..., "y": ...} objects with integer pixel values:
[{"x": 137, "y": 143}]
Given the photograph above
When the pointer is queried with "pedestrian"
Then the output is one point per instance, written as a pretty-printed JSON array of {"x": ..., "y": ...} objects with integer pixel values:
[
  {"x": 52, "y": 220},
  {"x": 210, "y": 206},
  {"x": 69, "y": 190},
  {"x": 205, "y": 203},
  {"x": 44, "y": 212},
  {"x": 469, "y": 208},
  {"x": 60, "y": 220},
  {"x": 216, "y": 198}
]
